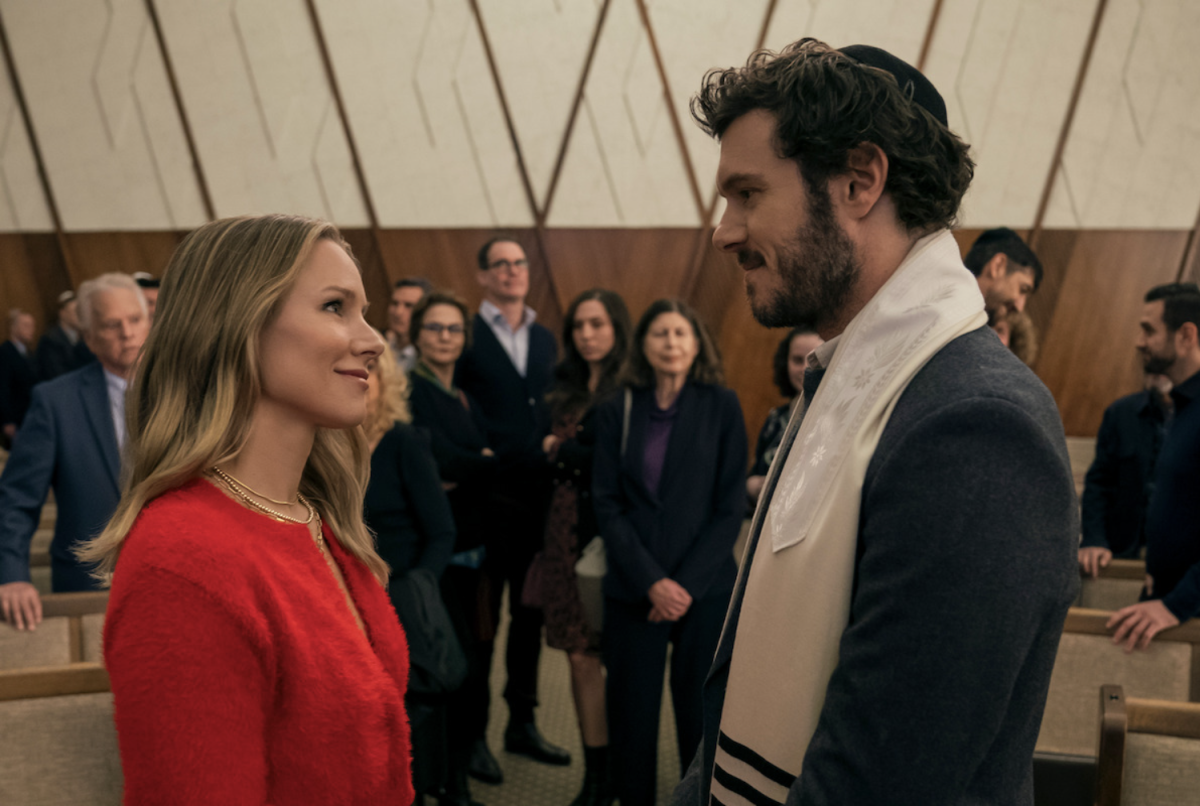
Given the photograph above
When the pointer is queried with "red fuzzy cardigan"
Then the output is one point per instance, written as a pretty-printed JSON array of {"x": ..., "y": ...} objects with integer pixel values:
[{"x": 238, "y": 673}]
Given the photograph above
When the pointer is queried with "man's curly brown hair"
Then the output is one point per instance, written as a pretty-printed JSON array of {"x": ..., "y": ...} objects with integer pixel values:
[{"x": 827, "y": 104}]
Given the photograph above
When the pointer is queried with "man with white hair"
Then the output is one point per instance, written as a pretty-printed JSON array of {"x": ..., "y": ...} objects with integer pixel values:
[{"x": 71, "y": 439}]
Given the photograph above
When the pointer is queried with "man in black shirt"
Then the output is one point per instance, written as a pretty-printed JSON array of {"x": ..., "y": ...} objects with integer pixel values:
[
  {"x": 1117, "y": 486},
  {"x": 1170, "y": 344}
]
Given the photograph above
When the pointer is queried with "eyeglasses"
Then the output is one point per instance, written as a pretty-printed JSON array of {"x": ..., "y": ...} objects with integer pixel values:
[
  {"x": 520, "y": 263},
  {"x": 437, "y": 328}
]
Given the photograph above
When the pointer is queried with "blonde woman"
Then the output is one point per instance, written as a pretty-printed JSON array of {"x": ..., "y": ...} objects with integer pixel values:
[{"x": 254, "y": 655}]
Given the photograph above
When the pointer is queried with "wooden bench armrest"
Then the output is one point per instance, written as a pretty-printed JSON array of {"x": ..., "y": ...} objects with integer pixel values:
[{"x": 53, "y": 681}]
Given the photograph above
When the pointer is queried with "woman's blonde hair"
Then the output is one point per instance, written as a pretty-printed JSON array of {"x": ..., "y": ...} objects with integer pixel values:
[
  {"x": 392, "y": 404},
  {"x": 191, "y": 398}
]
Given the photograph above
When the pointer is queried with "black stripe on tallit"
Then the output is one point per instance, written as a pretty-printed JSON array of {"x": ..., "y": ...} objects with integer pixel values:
[
  {"x": 763, "y": 767},
  {"x": 739, "y": 787}
]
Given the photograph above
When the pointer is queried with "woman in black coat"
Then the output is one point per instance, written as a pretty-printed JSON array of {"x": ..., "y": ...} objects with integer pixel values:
[
  {"x": 438, "y": 329},
  {"x": 668, "y": 490}
]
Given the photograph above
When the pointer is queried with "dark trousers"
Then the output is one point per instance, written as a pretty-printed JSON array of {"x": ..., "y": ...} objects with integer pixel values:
[
  {"x": 635, "y": 652},
  {"x": 509, "y": 553},
  {"x": 466, "y": 708},
  {"x": 69, "y": 578}
]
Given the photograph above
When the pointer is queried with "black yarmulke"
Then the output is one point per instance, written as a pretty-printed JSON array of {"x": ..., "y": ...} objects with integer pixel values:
[{"x": 923, "y": 92}]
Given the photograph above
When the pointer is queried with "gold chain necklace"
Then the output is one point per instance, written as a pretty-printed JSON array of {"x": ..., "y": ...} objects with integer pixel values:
[
  {"x": 229, "y": 479},
  {"x": 318, "y": 538}
]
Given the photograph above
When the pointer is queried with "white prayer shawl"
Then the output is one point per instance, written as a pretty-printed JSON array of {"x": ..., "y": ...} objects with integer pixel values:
[{"x": 798, "y": 583}]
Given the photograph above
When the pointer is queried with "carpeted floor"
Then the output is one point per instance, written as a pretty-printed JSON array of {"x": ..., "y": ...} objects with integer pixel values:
[{"x": 527, "y": 783}]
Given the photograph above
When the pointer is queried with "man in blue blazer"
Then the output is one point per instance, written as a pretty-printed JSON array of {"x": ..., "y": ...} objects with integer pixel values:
[
  {"x": 71, "y": 440},
  {"x": 508, "y": 371}
]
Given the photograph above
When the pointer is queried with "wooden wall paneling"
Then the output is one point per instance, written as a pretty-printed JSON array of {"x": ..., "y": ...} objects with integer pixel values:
[
  {"x": 642, "y": 265},
  {"x": 1087, "y": 354},
  {"x": 32, "y": 275},
  {"x": 1054, "y": 249},
  {"x": 364, "y": 243},
  {"x": 98, "y": 253},
  {"x": 1189, "y": 267},
  {"x": 447, "y": 258}
]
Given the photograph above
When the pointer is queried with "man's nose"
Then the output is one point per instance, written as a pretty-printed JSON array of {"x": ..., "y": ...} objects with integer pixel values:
[{"x": 729, "y": 233}]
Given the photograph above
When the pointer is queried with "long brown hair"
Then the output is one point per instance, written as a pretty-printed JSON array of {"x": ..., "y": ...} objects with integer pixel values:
[{"x": 192, "y": 396}]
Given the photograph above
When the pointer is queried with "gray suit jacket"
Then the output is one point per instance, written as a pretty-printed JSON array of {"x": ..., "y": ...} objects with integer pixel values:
[{"x": 965, "y": 569}]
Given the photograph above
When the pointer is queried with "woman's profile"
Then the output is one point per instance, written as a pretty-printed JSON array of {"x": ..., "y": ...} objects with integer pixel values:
[{"x": 253, "y": 652}]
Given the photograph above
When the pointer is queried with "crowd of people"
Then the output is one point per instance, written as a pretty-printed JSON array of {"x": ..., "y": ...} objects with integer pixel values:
[{"x": 309, "y": 526}]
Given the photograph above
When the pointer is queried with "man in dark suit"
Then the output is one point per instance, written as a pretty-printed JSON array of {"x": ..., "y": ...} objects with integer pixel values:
[
  {"x": 71, "y": 441},
  {"x": 925, "y": 470},
  {"x": 62, "y": 347},
  {"x": 508, "y": 371},
  {"x": 17, "y": 372}
]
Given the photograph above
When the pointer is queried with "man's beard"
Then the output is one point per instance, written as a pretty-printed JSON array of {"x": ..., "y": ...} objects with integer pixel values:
[
  {"x": 818, "y": 269},
  {"x": 1158, "y": 364}
]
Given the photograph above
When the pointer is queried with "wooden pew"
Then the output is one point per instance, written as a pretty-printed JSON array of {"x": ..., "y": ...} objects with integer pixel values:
[
  {"x": 39, "y": 572},
  {"x": 1149, "y": 751},
  {"x": 70, "y": 632},
  {"x": 1081, "y": 450},
  {"x": 59, "y": 745},
  {"x": 1118, "y": 585},
  {"x": 1169, "y": 669}
]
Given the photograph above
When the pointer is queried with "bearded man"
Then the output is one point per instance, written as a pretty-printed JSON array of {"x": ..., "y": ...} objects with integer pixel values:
[
  {"x": 910, "y": 565},
  {"x": 1169, "y": 343}
]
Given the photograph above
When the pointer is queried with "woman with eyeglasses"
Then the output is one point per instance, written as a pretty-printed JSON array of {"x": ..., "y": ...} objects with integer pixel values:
[{"x": 438, "y": 329}]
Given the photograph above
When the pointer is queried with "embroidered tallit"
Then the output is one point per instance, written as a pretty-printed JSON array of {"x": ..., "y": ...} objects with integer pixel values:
[{"x": 795, "y": 589}]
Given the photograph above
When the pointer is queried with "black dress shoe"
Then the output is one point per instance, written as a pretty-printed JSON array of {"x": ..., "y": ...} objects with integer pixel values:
[
  {"x": 483, "y": 765},
  {"x": 525, "y": 739}
]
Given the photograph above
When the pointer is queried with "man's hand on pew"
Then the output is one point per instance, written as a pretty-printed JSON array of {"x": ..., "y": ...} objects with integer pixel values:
[
  {"x": 1092, "y": 559},
  {"x": 21, "y": 605},
  {"x": 1139, "y": 623}
]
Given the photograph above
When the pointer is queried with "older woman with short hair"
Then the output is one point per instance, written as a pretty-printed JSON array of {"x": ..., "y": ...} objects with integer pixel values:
[{"x": 669, "y": 495}]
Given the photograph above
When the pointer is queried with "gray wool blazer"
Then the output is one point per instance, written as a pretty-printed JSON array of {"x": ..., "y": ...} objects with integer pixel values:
[{"x": 965, "y": 568}]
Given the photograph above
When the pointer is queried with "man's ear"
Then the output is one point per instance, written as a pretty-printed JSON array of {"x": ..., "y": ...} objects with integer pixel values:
[
  {"x": 859, "y": 188},
  {"x": 997, "y": 267},
  {"x": 1187, "y": 337}
]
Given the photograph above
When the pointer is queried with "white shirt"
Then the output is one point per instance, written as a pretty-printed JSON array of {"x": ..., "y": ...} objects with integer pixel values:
[
  {"x": 116, "y": 404},
  {"x": 515, "y": 343},
  {"x": 823, "y": 354},
  {"x": 23, "y": 350}
]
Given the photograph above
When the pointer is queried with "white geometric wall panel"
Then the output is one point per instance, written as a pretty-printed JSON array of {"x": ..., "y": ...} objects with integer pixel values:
[
  {"x": 1133, "y": 157},
  {"x": 1006, "y": 69},
  {"x": 262, "y": 113},
  {"x": 897, "y": 26},
  {"x": 692, "y": 40},
  {"x": 623, "y": 167},
  {"x": 422, "y": 104},
  {"x": 23, "y": 206},
  {"x": 540, "y": 47},
  {"x": 97, "y": 91}
]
